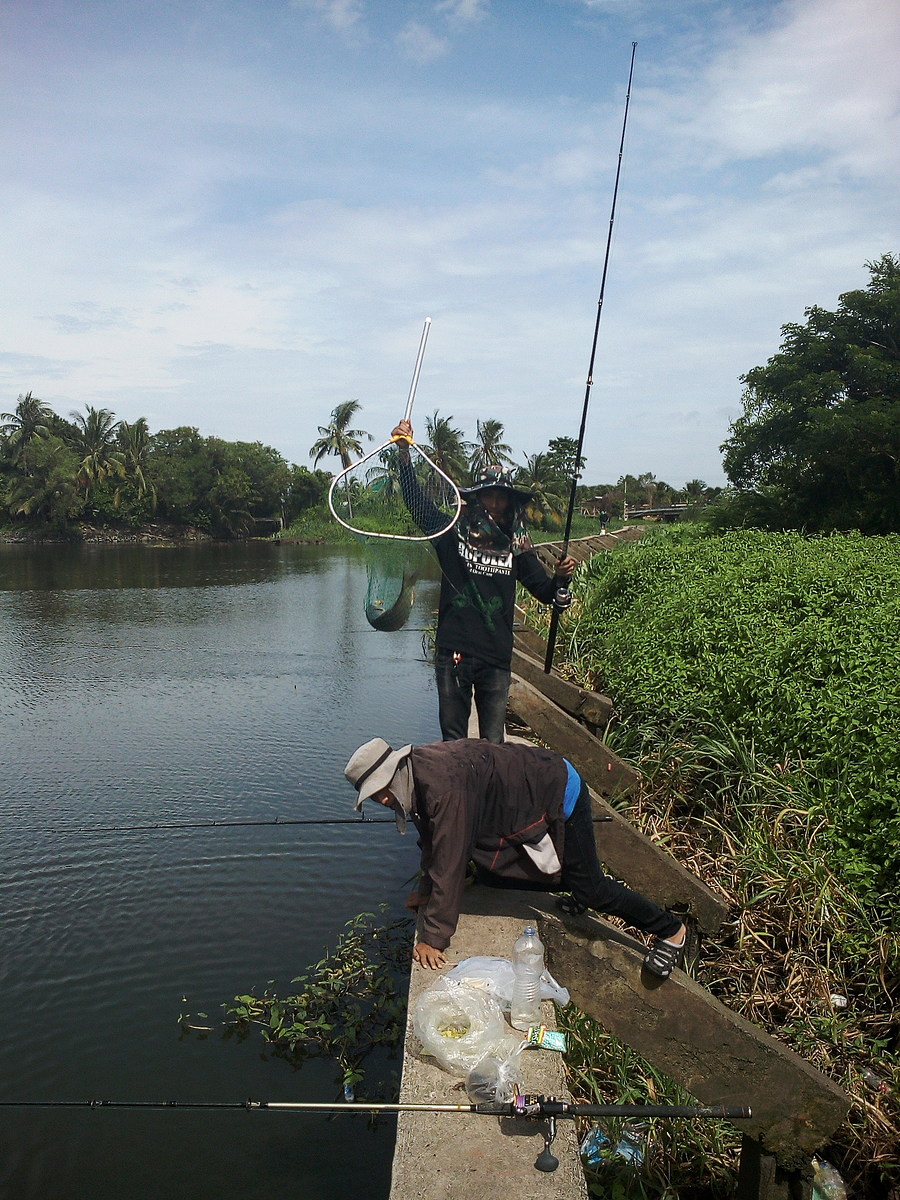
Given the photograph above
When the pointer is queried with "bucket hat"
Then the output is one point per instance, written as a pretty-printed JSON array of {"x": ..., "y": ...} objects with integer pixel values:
[
  {"x": 372, "y": 767},
  {"x": 496, "y": 477}
]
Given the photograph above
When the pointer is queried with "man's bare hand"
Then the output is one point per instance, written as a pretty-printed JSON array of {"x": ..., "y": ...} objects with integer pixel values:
[
  {"x": 565, "y": 568},
  {"x": 404, "y": 430},
  {"x": 429, "y": 956},
  {"x": 415, "y": 900}
]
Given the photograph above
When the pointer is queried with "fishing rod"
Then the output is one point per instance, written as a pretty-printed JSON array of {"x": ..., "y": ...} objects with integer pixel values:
[
  {"x": 523, "y": 1106},
  {"x": 554, "y": 616},
  {"x": 178, "y": 825},
  {"x": 170, "y": 825}
]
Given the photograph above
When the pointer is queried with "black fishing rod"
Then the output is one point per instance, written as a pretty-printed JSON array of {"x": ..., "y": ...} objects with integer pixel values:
[
  {"x": 523, "y": 1106},
  {"x": 554, "y": 616},
  {"x": 170, "y": 825},
  {"x": 178, "y": 825}
]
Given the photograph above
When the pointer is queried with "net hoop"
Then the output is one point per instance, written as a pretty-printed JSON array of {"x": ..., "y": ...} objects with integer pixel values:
[{"x": 453, "y": 494}]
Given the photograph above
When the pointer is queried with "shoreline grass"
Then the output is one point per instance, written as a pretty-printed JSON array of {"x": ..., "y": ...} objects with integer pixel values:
[{"x": 755, "y": 817}]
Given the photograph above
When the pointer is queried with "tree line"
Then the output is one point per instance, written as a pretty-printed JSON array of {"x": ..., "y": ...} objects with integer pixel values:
[
  {"x": 94, "y": 468},
  {"x": 547, "y": 474},
  {"x": 817, "y": 448}
]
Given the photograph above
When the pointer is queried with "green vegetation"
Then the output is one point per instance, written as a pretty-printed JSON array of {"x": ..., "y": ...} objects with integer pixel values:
[
  {"x": 55, "y": 473},
  {"x": 342, "y": 1007},
  {"x": 756, "y": 678},
  {"x": 818, "y": 445},
  {"x": 791, "y": 645}
]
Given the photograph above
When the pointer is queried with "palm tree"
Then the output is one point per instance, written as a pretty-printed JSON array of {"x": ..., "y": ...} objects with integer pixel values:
[
  {"x": 134, "y": 445},
  {"x": 446, "y": 447},
  {"x": 30, "y": 420},
  {"x": 94, "y": 441},
  {"x": 540, "y": 477},
  {"x": 488, "y": 449},
  {"x": 336, "y": 438}
]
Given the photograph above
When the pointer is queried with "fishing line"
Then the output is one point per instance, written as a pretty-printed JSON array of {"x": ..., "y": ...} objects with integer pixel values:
[
  {"x": 554, "y": 616},
  {"x": 176, "y": 825}
]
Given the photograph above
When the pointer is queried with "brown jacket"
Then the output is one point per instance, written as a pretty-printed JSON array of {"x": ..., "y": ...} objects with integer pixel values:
[{"x": 476, "y": 800}]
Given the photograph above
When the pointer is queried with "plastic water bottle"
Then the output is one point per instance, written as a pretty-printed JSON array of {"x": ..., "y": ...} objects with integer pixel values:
[
  {"x": 528, "y": 960},
  {"x": 827, "y": 1183}
]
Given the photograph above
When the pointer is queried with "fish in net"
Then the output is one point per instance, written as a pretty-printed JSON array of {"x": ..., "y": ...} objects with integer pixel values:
[{"x": 393, "y": 571}]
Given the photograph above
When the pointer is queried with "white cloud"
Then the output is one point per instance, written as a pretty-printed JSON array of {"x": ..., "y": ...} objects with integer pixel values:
[
  {"x": 340, "y": 15},
  {"x": 421, "y": 44},
  {"x": 463, "y": 12},
  {"x": 823, "y": 79}
]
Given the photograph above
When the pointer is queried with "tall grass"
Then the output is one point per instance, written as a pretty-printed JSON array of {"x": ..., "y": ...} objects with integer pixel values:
[{"x": 756, "y": 681}]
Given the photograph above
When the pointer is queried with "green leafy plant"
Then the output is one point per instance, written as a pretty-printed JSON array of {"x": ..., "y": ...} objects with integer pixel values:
[{"x": 341, "y": 1007}]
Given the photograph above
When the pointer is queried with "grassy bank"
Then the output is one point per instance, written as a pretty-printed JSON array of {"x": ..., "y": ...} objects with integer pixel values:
[{"x": 756, "y": 680}]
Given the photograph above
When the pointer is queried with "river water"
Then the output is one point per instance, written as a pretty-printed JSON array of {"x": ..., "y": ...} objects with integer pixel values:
[{"x": 204, "y": 683}]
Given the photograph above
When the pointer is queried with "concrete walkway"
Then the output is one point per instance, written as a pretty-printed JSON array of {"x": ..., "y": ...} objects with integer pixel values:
[{"x": 450, "y": 1156}]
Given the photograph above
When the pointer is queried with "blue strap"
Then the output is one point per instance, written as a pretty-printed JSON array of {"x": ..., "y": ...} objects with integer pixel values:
[{"x": 573, "y": 789}]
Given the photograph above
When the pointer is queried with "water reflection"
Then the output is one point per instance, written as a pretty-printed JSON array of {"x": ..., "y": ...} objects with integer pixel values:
[{"x": 207, "y": 683}]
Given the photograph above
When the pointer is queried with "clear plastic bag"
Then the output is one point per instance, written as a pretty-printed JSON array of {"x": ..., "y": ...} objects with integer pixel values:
[
  {"x": 496, "y": 1078},
  {"x": 458, "y": 1025},
  {"x": 496, "y": 976}
]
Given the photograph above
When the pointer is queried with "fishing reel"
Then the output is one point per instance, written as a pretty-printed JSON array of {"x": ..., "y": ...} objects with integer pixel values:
[{"x": 524, "y": 1105}]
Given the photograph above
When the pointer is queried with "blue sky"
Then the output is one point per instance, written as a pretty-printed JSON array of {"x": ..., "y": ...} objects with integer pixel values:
[{"x": 236, "y": 215}]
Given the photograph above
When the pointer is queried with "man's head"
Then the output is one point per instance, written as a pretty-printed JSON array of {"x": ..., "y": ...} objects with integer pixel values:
[
  {"x": 373, "y": 771},
  {"x": 495, "y": 501}
]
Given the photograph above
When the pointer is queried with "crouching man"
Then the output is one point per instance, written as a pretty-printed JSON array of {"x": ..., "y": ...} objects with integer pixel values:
[{"x": 519, "y": 811}]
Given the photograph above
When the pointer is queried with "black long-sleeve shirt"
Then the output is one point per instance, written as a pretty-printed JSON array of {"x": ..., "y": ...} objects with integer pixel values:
[{"x": 478, "y": 585}]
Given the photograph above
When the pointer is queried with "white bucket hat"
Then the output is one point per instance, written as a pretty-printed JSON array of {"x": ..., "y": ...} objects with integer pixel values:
[{"x": 372, "y": 767}]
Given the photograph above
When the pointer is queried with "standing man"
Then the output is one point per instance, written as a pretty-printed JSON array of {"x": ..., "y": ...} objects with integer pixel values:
[
  {"x": 521, "y": 812},
  {"x": 482, "y": 557}
]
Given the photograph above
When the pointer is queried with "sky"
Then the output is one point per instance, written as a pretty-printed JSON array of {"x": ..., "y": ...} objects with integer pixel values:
[{"x": 236, "y": 214}]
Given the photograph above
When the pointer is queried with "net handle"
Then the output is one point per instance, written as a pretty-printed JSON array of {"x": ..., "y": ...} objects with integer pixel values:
[{"x": 418, "y": 368}]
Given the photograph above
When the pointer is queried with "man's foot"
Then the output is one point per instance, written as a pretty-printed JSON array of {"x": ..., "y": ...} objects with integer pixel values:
[{"x": 663, "y": 956}]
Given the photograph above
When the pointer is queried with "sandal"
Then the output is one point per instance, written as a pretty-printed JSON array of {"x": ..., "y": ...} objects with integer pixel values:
[
  {"x": 662, "y": 957},
  {"x": 571, "y": 906}
]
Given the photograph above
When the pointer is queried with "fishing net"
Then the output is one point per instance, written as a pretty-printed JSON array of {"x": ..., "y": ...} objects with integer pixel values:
[
  {"x": 393, "y": 569},
  {"x": 395, "y": 492},
  {"x": 392, "y": 500}
]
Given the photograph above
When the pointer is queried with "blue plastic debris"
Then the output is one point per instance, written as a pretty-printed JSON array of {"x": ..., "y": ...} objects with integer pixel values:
[{"x": 598, "y": 1151}]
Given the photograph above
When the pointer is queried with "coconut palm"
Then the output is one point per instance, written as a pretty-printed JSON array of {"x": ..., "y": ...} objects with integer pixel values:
[
  {"x": 489, "y": 450},
  {"x": 134, "y": 446},
  {"x": 30, "y": 420},
  {"x": 541, "y": 477},
  {"x": 447, "y": 448},
  {"x": 94, "y": 441},
  {"x": 337, "y": 438}
]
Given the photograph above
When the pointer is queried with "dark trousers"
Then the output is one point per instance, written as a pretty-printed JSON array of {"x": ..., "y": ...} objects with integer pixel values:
[
  {"x": 584, "y": 878},
  {"x": 456, "y": 683}
]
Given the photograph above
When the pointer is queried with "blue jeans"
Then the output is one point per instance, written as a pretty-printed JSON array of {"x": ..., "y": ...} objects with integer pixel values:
[
  {"x": 583, "y": 876},
  {"x": 456, "y": 682}
]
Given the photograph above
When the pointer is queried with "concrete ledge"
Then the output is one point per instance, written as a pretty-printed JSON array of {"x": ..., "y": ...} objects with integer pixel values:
[
  {"x": 450, "y": 1156},
  {"x": 718, "y": 1056}
]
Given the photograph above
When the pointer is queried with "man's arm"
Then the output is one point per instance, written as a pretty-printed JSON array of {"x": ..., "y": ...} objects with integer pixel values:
[
  {"x": 532, "y": 575},
  {"x": 445, "y": 850},
  {"x": 424, "y": 512}
]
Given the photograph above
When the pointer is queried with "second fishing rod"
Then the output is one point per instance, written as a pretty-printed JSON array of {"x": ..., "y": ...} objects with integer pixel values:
[{"x": 576, "y": 466}]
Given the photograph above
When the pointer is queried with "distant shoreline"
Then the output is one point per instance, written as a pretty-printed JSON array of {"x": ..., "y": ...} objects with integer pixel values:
[{"x": 144, "y": 535}]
